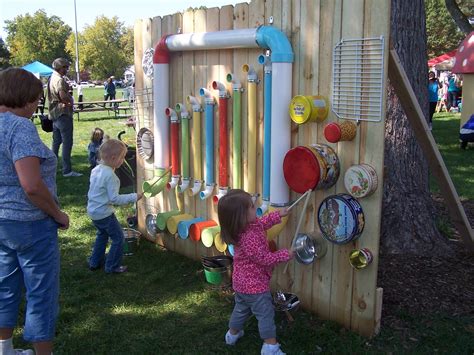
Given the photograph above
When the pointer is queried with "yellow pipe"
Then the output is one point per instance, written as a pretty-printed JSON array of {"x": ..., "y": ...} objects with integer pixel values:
[
  {"x": 196, "y": 145},
  {"x": 172, "y": 222},
  {"x": 251, "y": 182}
]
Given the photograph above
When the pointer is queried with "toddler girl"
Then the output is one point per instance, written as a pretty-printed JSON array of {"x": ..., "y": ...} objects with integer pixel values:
[
  {"x": 103, "y": 193},
  {"x": 253, "y": 265},
  {"x": 93, "y": 147}
]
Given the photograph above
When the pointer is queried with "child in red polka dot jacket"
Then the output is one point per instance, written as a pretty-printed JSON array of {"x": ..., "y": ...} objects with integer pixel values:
[{"x": 253, "y": 266}]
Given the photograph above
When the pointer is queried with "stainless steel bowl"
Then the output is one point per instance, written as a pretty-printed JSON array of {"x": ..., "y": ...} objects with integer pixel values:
[
  {"x": 309, "y": 247},
  {"x": 150, "y": 222}
]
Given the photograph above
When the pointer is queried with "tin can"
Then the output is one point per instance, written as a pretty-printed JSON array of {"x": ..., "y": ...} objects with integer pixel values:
[
  {"x": 341, "y": 218},
  {"x": 360, "y": 258},
  {"x": 360, "y": 180},
  {"x": 308, "y": 109},
  {"x": 341, "y": 131},
  {"x": 312, "y": 167}
]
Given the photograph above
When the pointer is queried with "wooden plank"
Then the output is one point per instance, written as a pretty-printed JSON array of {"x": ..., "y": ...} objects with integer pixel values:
[
  {"x": 329, "y": 34},
  {"x": 341, "y": 293},
  {"x": 404, "y": 91},
  {"x": 378, "y": 310},
  {"x": 371, "y": 134}
]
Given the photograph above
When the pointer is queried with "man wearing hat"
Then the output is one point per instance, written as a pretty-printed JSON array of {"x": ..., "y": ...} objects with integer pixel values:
[{"x": 61, "y": 113}]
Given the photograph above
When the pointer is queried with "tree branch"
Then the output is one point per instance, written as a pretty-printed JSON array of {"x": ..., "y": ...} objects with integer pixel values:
[{"x": 458, "y": 16}]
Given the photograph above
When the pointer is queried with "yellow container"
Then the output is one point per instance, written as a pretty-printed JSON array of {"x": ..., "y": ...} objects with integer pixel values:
[
  {"x": 308, "y": 108},
  {"x": 172, "y": 222}
]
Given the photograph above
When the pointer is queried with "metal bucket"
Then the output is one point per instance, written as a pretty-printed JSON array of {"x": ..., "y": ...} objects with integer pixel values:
[
  {"x": 218, "y": 270},
  {"x": 131, "y": 239}
]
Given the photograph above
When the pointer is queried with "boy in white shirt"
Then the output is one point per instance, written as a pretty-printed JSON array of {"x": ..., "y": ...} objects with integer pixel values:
[{"x": 103, "y": 194}]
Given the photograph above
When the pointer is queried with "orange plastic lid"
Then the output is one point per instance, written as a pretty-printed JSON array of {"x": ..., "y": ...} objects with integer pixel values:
[
  {"x": 332, "y": 132},
  {"x": 301, "y": 169}
]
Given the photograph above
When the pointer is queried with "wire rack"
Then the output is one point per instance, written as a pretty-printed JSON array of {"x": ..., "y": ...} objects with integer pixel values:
[
  {"x": 358, "y": 72},
  {"x": 143, "y": 107}
]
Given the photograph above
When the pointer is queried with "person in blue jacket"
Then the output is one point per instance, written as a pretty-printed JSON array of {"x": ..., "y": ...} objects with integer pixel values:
[
  {"x": 109, "y": 90},
  {"x": 433, "y": 88}
]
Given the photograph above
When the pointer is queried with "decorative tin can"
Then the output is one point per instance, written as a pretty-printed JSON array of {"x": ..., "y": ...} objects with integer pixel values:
[
  {"x": 308, "y": 108},
  {"x": 341, "y": 218},
  {"x": 342, "y": 131},
  {"x": 360, "y": 258},
  {"x": 131, "y": 238},
  {"x": 311, "y": 167},
  {"x": 360, "y": 180}
]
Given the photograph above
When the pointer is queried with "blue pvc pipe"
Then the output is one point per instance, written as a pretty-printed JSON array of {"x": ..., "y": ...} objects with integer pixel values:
[
  {"x": 209, "y": 131},
  {"x": 274, "y": 39},
  {"x": 183, "y": 226},
  {"x": 267, "y": 133}
]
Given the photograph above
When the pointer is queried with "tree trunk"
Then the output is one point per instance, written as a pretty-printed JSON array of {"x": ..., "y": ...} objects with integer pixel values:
[
  {"x": 408, "y": 221},
  {"x": 458, "y": 16}
]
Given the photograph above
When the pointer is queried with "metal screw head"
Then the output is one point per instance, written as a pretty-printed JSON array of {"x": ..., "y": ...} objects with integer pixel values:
[{"x": 270, "y": 20}]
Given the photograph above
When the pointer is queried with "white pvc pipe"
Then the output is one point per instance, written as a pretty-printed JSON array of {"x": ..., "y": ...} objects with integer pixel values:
[
  {"x": 281, "y": 129},
  {"x": 161, "y": 124},
  {"x": 241, "y": 38}
]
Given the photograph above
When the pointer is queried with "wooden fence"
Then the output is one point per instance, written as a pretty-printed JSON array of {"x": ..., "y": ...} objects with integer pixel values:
[{"x": 330, "y": 287}]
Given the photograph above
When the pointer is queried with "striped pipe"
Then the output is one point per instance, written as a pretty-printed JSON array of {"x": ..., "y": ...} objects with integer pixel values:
[
  {"x": 236, "y": 131},
  {"x": 223, "y": 141},
  {"x": 209, "y": 131},
  {"x": 196, "y": 144},
  {"x": 174, "y": 128},
  {"x": 251, "y": 185},
  {"x": 184, "y": 185},
  {"x": 267, "y": 131}
]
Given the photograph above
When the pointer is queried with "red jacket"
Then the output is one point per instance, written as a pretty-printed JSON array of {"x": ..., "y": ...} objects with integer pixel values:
[{"x": 253, "y": 260}]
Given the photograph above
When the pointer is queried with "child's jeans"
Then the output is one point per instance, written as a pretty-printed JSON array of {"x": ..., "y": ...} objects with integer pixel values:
[
  {"x": 261, "y": 305},
  {"x": 109, "y": 227}
]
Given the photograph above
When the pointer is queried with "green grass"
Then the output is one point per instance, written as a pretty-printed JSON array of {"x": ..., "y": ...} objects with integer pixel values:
[
  {"x": 164, "y": 306},
  {"x": 459, "y": 162}
]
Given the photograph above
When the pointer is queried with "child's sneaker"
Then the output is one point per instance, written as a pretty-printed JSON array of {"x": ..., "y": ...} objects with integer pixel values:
[
  {"x": 120, "y": 269},
  {"x": 271, "y": 349},
  {"x": 231, "y": 339}
]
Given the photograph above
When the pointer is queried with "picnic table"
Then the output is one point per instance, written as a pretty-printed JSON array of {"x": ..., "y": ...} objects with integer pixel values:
[{"x": 114, "y": 106}]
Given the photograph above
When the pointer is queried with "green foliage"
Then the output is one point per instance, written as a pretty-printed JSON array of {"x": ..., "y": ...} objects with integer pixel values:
[
  {"x": 105, "y": 48},
  {"x": 4, "y": 55},
  {"x": 36, "y": 37},
  {"x": 443, "y": 33}
]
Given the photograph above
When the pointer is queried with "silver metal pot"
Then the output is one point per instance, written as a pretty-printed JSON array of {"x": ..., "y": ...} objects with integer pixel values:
[{"x": 308, "y": 247}]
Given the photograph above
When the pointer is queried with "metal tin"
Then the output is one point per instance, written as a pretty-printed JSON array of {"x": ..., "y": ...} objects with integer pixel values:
[
  {"x": 150, "y": 223},
  {"x": 131, "y": 238},
  {"x": 360, "y": 180},
  {"x": 341, "y": 218},
  {"x": 340, "y": 131},
  {"x": 145, "y": 143},
  {"x": 308, "y": 108},
  {"x": 360, "y": 258},
  {"x": 312, "y": 167}
]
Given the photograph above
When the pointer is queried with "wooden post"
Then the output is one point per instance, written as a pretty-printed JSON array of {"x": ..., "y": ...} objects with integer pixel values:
[{"x": 405, "y": 93}]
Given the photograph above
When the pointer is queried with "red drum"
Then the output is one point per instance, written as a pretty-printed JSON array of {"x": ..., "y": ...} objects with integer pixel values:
[{"x": 311, "y": 167}]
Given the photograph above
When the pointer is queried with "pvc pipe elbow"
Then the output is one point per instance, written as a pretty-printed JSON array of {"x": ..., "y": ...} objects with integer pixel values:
[
  {"x": 181, "y": 108},
  {"x": 263, "y": 208},
  {"x": 184, "y": 185},
  {"x": 217, "y": 85},
  {"x": 221, "y": 193},
  {"x": 236, "y": 85},
  {"x": 251, "y": 73},
  {"x": 208, "y": 98},
  {"x": 266, "y": 62},
  {"x": 171, "y": 114},
  {"x": 173, "y": 183},
  {"x": 194, "y": 102},
  {"x": 155, "y": 185},
  {"x": 196, "y": 187},
  {"x": 207, "y": 192}
]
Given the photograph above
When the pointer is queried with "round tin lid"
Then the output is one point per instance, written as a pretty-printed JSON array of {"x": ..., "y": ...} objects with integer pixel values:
[
  {"x": 145, "y": 143},
  {"x": 150, "y": 223},
  {"x": 301, "y": 169},
  {"x": 332, "y": 132},
  {"x": 340, "y": 218},
  {"x": 300, "y": 109},
  {"x": 360, "y": 180}
]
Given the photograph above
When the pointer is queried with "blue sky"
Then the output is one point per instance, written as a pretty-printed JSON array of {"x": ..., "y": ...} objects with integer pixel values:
[{"x": 87, "y": 10}]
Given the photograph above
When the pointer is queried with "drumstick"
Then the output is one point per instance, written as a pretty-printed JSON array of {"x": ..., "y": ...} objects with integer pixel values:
[{"x": 298, "y": 200}]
